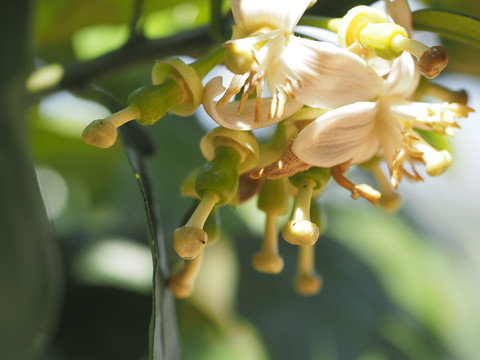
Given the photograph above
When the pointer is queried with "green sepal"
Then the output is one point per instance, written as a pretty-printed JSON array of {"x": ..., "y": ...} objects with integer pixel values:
[
  {"x": 220, "y": 175},
  {"x": 187, "y": 81},
  {"x": 243, "y": 141},
  {"x": 154, "y": 101}
]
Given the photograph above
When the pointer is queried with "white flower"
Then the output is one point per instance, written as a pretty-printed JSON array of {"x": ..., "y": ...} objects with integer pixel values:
[
  {"x": 296, "y": 70},
  {"x": 386, "y": 126}
]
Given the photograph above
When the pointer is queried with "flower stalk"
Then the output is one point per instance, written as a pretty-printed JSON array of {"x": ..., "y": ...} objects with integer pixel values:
[
  {"x": 182, "y": 283},
  {"x": 273, "y": 200},
  {"x": 176, "y": 88},
  {"x": 308, "y": 282},
  {"x": 300, "y": 230}
]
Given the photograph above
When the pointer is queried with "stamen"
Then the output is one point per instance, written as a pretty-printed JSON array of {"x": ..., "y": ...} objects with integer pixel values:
[
  {"x": 308, "y": 282},
  {"x": 258, "y": 103},
  {"x": 437, "y": 162},
  {"x": 182, "y": 284},
  {"x": 361, "y": 190},
  {"x": 273, "y": 107},
  {"x": 390, "y": 200},
  {"x": 431, "y": 61},
  {"x": 397, "y": 166},
  {"x": 189, "y": 240},
  {"x": 236, "y": 85},
  {"x": 282, "y": 100},
  {"x": 300, "y": 230}
]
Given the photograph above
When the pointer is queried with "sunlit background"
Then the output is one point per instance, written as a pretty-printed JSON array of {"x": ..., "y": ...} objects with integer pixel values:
[{"x": 401, "y": 286}]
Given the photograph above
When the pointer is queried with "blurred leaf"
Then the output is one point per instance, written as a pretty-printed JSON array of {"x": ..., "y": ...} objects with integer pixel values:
[{"x": 450, "y": 25}]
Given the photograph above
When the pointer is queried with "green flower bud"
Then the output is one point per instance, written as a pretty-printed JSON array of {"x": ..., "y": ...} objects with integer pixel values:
[
  {"x": 220, "y": 176},
  {"x": 100, "y": 133},
  {"x": 242, "y": 141},
  {"x": 187, "y": 80}
]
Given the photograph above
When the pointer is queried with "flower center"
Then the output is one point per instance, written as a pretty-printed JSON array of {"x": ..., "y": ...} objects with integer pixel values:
[{"x": 251, "y": 58}]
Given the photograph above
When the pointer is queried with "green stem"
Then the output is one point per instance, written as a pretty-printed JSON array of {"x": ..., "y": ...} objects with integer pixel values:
[
  {"x": 204, "y": 65},
  {"x": 79, "y": 74},
  {"x": 216, "y": 27},
  {"x": 135, "y": 25},
  {"x": 322, "y": 22}
]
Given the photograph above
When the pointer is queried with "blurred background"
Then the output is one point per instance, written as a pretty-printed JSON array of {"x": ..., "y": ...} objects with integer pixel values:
[{"x": 401, "y": 286}]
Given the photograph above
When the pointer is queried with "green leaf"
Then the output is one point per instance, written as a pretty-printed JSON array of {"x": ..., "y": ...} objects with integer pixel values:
[{"x": 450, "y": 25}]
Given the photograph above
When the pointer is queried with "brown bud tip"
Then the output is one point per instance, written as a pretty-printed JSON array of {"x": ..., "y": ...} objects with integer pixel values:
[
  {"x": 100, "y": 133},
  {"x": 188, "y": 241},
  {"x": 433, "y": 61},
  {"x": 267, "y": 263},
  {"x": 308, "y": 284}
]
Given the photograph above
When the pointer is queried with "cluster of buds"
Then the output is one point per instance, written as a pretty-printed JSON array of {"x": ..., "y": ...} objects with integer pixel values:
[{"x": 333, "y": 106}]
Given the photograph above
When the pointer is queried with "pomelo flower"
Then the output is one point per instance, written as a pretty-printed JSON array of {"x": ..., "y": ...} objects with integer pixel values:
[
  {"x": 297, "y": 71},
  {"x": 386, "y": 126}
]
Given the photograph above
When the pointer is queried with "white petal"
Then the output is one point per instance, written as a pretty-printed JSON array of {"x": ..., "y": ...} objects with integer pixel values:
[
  {"x": 330, "y": 76},
  {"x": 403, "y": 78},
  {"x": 340, "y": 135},
  {"x": 252, "y": 15},
  {"x": 228, "y": 116},
  {"x": 400, "y": 12}
]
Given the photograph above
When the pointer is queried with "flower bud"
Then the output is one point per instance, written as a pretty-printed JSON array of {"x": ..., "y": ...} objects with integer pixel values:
[
  {"x": 220, "y": 176},
  {"x": 100, "y": 133},
  {"x": 242, "y": 141}
]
